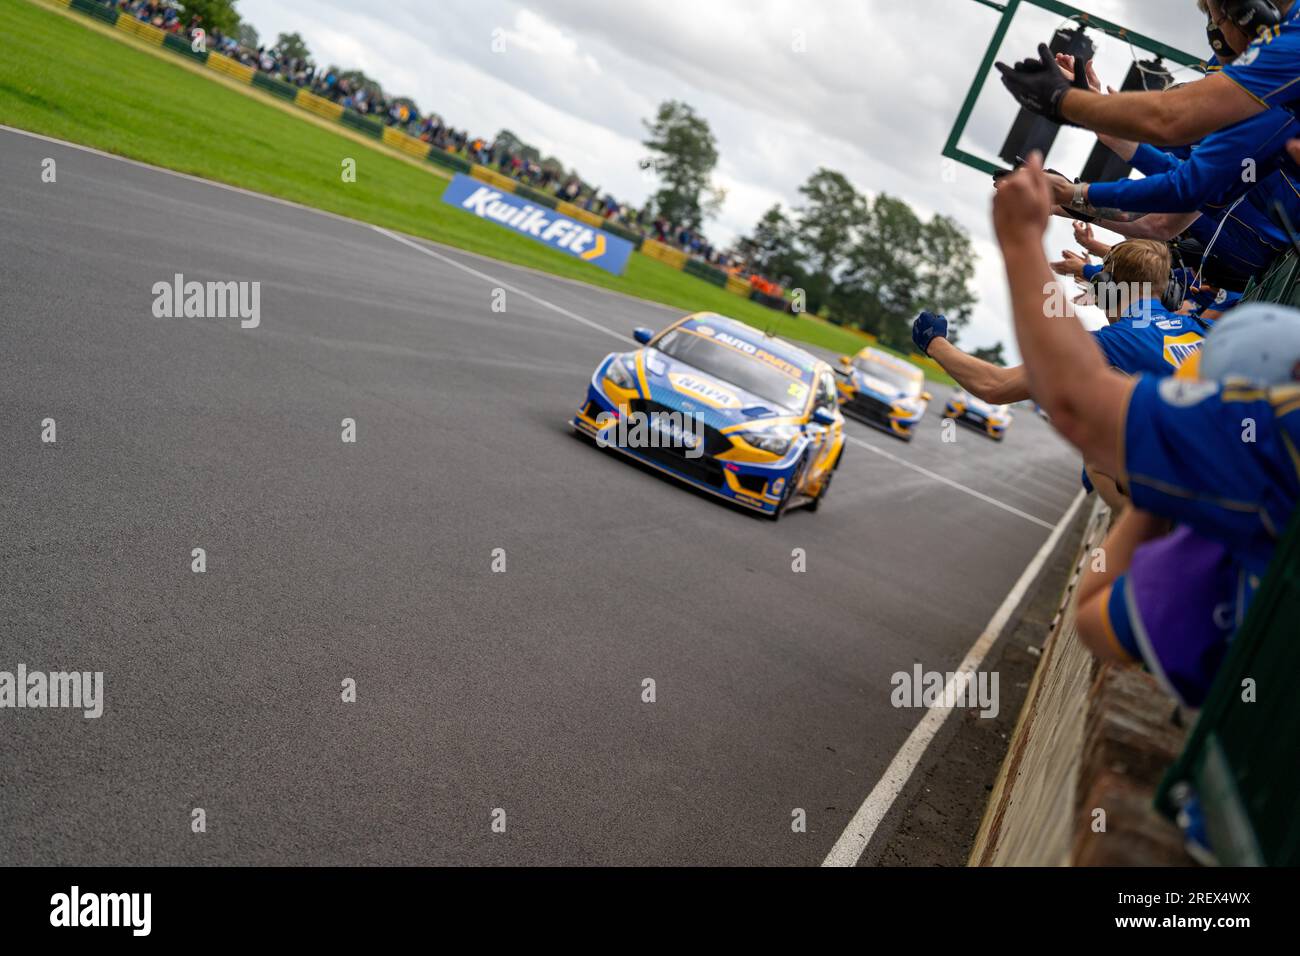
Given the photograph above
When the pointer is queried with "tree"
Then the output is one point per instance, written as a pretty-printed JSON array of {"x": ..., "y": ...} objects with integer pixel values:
[
  {"x": 685, "y": 156},
  {"x": 831, "y": 211},
  {"x": 877, "y": 291},
  {"x": 215, "y": 14},
  {"x": 992, "y": 354},
  {"x": 948, "y": 268},
  {"x": 773, "y": 248},
  {"x": 292, "y": 46},
  {"x": 248, "y": 36}
]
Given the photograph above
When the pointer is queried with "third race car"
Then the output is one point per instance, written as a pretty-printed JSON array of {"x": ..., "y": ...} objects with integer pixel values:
[{"x": 993, "y": 420}]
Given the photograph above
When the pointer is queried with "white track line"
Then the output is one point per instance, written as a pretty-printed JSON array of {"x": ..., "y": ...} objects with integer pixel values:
[
  {"x": 419, "y": 247},
  {"x": 947, "y": 481},
  {"x": 853, "y": 841}
]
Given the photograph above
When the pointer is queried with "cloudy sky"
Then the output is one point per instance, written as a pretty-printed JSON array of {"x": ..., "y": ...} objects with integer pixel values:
[{"x": 868, "y": 87}]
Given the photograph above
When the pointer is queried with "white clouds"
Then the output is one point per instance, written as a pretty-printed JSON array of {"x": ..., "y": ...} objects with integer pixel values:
[{"x": 874, "y": 92}]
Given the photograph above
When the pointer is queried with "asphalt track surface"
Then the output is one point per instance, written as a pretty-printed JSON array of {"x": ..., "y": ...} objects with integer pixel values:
[{"x": 372, "y": 561}]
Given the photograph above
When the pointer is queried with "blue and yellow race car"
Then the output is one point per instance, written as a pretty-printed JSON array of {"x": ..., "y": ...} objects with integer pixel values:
[
  {"x": 993, "y": 420},
  {"x": 883, "y": 391},
  {"x": 720, "y": 406}
]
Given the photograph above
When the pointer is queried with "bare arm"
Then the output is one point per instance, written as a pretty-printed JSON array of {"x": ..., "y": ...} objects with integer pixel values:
[
  {"x": 1157, "y": 225},
  {"x": 1068, "y": 374},
  {"x": 1171, "y": 118},
  {"x": 984, "y": 380}
]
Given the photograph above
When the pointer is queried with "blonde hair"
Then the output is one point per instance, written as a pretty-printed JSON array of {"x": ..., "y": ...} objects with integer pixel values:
[{"x": 1145, "y": 261}]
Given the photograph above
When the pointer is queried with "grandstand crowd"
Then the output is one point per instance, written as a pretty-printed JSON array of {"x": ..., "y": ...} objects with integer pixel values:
[
  {"x": 506, "y": 156},
  {"x": 1186, "y": 406}
]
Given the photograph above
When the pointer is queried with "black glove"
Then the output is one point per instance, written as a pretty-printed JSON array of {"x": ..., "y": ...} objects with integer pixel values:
[{"x": 1039, "y": 86}]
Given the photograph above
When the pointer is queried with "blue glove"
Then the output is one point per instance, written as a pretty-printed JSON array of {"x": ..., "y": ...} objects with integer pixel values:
[{"x": 927, "y": 328}]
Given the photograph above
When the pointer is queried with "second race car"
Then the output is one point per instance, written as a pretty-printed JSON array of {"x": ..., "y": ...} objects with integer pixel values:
[
  {"x": 719, "y": 405},
  {"x": 882, "y": 390}
]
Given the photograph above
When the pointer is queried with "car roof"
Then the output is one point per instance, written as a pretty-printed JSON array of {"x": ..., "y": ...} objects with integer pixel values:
[
  {"x": 893, "y": 361},
  {"x": 710, "y": 323}
]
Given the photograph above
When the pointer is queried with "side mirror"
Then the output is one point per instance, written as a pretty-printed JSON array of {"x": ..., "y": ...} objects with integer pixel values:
[
  {"x": 927, "y": 397},
  {"x": 643, "y": 335},
  {"x": 823, "y": 416}
]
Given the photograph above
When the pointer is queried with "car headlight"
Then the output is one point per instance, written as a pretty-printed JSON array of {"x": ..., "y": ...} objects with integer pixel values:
[
  {"x": 776, "y": 441},
  {"x": 620, "y": 374}
]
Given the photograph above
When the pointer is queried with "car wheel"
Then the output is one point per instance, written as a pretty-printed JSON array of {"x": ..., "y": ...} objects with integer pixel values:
[
  {"x": 826, "y": 483},
  {"x": 795, "y": 478}
]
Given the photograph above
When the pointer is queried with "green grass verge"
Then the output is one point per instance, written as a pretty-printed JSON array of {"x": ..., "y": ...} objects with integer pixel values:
[{"x": 63, "y": 79}]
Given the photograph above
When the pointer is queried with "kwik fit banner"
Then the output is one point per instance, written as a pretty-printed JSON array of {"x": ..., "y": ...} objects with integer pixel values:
[{"x": 537, "y": 222}]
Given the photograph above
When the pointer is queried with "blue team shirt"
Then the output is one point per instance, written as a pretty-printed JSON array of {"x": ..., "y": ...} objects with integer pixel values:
[
  {"x": 1186, "y": 458},
  {"x": 1151, "y": 339},
  {"x": 1269, "y": 69}
]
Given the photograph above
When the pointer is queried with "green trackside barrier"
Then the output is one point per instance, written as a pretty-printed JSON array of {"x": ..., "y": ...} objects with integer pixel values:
[
  {"x": 706, "y": 272},
  {"x": 533, "y": 196},
  {"x": 449, "y": 160},
  {"x": 96, "y": 10},
  {"x": 1240, "y": 757},
  {"x": 366, "y": 124},
  {"x": 623, "y": 232},
  {"x": 286, "y": 91},
  {"x": 178, "y": 44}
]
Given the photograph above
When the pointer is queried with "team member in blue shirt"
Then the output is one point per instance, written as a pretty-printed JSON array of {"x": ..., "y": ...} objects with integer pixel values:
[
  {"x": 1264, "y": 76},
  {"x": 1143, "y": 335},
  {"x": 1219, "y": 456},
  {"x": 1220, "y": 192}
]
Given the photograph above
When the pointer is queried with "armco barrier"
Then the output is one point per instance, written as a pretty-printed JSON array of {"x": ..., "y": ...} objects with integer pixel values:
[
  {"x": 279, "y": 88},
  {"x": 706, "y": 272},
  {"x": 533, "y": 196},
  {"x": 738, "y": 286},
  {"x": 145, "y": 31},
  {"x": 493, "y": 178},
  {"x": 178, "y": 44},
  {"x": 666, "y": 254},
  {"x": 96, "y": 10},
  {"x": 450, "y": 160},
  {"x": 580, "y": 214},
  {"x": 407, "y": 144},
  {"x": 316, "y": 104},
  {"x": 364, "y": 124},
  {"x": 224, "y": 64}
]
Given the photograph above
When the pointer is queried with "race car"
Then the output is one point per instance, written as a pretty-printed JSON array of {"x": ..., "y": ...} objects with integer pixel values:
[
  {"x": 720, "y": 406},
  {"x": 882, "y": 390},
  {"x": 993, "y": 420}
]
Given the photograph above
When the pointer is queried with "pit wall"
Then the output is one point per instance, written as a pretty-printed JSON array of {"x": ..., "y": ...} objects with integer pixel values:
[{"x": 1090, "y": 746}]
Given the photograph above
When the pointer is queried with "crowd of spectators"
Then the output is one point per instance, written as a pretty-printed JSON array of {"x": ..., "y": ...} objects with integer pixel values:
[
  {"x": 510, "y": 157},
  {"x": 1197, "y": 444}
]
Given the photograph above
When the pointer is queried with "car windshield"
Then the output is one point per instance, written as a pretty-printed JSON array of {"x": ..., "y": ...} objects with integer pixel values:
[
  {"x": 899, "y": 379},
  {"x": 729, "y": 365}
]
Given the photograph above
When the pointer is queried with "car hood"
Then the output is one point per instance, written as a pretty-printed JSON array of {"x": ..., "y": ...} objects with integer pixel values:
[
  {"x": 881, "y": 389},
  {"x": 718, "y": 403}
]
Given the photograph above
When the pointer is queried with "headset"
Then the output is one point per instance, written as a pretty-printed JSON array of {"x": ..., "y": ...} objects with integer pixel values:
[
  {"x": 1253, "y": 15},
  {"x": 1171, "y": 300}
]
